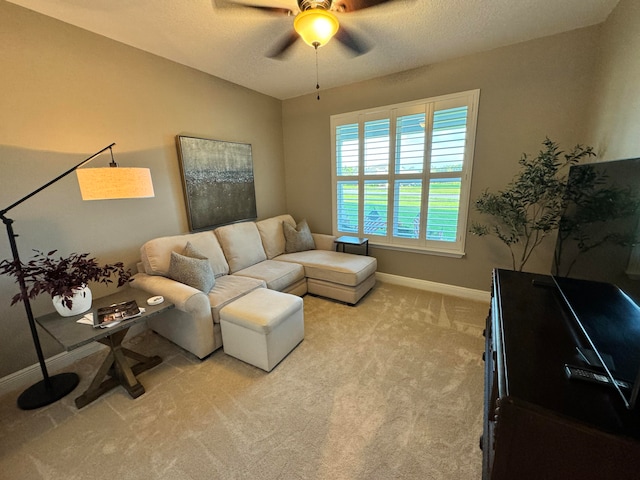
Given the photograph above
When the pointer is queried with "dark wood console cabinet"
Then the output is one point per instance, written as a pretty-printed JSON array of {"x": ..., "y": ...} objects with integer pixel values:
[{"x": 538, "y": 423}]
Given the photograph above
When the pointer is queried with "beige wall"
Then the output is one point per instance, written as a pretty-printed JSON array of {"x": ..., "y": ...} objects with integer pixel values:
[
  {"x": 527, "y": 91},
  {"x": 67, "y": 93},
  {"x": 615, "y": 117}
]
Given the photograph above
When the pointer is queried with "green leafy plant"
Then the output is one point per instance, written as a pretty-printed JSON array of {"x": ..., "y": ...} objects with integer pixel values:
[
  {"x": 531, "y": 206},
  {"x": 45, "y": 273}
]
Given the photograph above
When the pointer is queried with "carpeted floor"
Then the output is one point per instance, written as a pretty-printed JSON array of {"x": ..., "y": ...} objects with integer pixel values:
[{"x": 389, "y": 389}]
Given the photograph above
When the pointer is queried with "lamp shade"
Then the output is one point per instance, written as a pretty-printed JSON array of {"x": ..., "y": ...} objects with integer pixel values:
[
  {"x": 115, "y": 182},
  {"x": 316, "y": 26}
]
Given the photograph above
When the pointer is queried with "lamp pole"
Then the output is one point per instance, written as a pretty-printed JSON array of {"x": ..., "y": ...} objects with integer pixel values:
[{"x": 51, "y": 388}]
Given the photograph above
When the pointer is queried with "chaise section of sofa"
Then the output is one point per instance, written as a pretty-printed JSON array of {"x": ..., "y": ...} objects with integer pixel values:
[
  {"x": 340, "y": 276},
  {"x": 343, "y": 277}
]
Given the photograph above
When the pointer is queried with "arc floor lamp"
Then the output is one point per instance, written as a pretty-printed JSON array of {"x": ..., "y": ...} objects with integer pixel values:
[{"x": 95, "y": 184}]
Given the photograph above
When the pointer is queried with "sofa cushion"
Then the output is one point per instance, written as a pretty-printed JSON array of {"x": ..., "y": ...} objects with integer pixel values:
[
  {"x": 277, "y": 275},
  {"x": 337, "y": 267},
  {"x": 193, "y": 271},
  {"x": 155, "y": 254},
  {"x": 241, "y": 244},
  {"x": 272, "y": 234},
  {"x": 298, "y": 238},
  {"x": 229, "y": 288}
]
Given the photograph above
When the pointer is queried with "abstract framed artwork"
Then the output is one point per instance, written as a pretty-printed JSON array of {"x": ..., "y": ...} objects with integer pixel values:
[{"x": 218, "y": 182}]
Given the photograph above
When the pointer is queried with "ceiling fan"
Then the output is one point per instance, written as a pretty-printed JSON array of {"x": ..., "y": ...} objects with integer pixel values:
[{"x": 316, "y": 23}]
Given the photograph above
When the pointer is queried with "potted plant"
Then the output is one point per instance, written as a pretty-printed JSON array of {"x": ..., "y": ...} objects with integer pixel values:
[
  {"x": 66, "y": 279},
  {"x": 530, "y": 207}
]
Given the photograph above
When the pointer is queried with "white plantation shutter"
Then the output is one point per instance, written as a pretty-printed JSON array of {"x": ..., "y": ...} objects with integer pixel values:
[
  {"x": 348, "y": 153},
  {"x": 402, "y": 173},
  {"x": 410, "y": 135},
  {"x": 376, "y": 195},
  {"x": 448, "y": 139},
  {"x": 406, "y": 213},
  {"x": 347, "y": 164},
  {"x": 409, "y": 167},
  {"x": 376, "y": 147},
  {"x": 348, "y": 207},
  {"x": 444, "y": 205}
]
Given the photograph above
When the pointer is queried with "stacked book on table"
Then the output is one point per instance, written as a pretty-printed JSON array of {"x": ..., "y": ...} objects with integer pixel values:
[{"x": 109, "y": 316}]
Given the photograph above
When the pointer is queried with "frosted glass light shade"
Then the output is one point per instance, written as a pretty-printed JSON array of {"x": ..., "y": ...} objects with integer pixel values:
[
  {"x": 316, "y": 26},
  {"x": 115, "y": 182}
]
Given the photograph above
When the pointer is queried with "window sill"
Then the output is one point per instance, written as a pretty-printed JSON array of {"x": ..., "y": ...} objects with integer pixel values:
[{"x": 422, "y": 251}]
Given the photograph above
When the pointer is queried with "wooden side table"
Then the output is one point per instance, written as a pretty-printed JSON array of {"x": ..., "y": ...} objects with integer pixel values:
[
  {"x": 115, "y": 369},
  {"x": 348, "y": 240}
]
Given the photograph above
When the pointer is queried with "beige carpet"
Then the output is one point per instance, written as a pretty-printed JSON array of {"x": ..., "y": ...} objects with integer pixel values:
[{"x": 390, "y": 389}]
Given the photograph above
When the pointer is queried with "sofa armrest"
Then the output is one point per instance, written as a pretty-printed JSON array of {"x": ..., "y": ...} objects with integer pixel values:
[
  {"x": 185, "y": 298},
  {"x": 324, "y": 241}
]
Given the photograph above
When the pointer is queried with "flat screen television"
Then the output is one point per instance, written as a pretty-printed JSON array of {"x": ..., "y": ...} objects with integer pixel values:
[{"x": 596, "y": 268}]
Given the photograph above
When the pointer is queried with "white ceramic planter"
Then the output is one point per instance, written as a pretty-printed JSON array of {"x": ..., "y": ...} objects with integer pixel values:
[{"x": 80, "y": 302}]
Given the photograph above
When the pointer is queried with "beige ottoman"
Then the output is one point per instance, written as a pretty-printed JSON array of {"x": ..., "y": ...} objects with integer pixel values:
[{"x": 262, "y": 327}]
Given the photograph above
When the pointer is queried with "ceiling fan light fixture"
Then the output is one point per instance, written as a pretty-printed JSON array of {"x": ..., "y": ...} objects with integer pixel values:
[{"x": 316, "y": 26}]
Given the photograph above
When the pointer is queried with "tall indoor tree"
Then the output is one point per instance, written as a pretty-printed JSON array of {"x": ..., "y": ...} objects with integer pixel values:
[{"x": 530, "y": 207}]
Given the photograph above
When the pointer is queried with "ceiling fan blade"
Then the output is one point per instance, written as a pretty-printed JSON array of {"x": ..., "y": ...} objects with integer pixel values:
[
  {"x": 353, "y": 43},
  {"x": 346, "y": 6},
  {"x": 280, "y": 49},
  {"x": 230, "y": 4},
  {"x": 278, "y": 11}
]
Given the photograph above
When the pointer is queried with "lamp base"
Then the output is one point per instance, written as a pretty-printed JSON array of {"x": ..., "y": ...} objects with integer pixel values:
[{"x": 38, "y": 395}]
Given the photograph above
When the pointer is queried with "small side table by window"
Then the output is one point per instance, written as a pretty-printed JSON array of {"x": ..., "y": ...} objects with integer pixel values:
[
  {"x": 348, "y": 240},
  {"x": 115, "y": 369}
]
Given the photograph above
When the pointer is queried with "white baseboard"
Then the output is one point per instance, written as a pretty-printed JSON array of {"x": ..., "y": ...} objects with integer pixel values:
[
  {"x": 442, "y": 288},
  {"x": 32, "y": 374}
]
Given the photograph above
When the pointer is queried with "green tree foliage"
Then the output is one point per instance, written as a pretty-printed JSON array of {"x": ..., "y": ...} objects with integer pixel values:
[{"x": 531, "y": 206}]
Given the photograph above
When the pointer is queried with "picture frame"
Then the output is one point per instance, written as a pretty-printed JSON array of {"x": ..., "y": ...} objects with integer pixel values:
[{"x": 218, "y": 183}]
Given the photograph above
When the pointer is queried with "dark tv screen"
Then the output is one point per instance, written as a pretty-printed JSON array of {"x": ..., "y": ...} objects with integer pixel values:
[
  {"x": 596, "y": 264},
  {"x": 598, "y": 234}
]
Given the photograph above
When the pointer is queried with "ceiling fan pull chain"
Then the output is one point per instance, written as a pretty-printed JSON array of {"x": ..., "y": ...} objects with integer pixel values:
[{"x": 317, "y": 78}]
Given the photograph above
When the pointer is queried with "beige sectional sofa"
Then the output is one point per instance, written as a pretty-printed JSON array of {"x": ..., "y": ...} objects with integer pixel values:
[{"x": 243, "y": 257}]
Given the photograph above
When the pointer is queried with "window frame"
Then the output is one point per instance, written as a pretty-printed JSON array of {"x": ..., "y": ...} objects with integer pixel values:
[{"x": 470, "y": 99}]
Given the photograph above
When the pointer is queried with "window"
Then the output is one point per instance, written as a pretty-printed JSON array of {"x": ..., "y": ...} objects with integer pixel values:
[{"x": 402, "y": 173}]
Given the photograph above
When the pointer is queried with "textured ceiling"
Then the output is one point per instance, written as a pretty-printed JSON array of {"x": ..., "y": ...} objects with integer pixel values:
[{"x": 231, "y": 42}]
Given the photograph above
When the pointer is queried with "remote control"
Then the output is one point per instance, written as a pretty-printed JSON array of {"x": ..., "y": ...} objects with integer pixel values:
[{"x": 595, "y": 376}]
